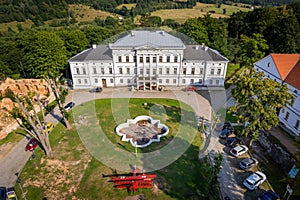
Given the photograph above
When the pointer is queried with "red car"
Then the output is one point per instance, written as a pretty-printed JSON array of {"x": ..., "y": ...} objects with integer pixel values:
[{"x": 32, "y": 145}]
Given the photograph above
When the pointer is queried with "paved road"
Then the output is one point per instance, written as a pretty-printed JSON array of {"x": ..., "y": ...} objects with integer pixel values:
[{"x": 15, "y": 160}]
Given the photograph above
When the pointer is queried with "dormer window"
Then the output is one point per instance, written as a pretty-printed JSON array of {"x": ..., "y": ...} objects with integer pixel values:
[{"x": 269, "y": 64}]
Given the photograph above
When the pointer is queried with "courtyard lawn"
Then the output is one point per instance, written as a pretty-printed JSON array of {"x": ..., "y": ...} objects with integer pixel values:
[{"x": 75, "y": 173}]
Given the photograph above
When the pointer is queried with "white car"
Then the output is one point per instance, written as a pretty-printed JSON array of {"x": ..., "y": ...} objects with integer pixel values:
[
  {"x": 238, "y": 150},
  {"x": 254, "y": 180}
]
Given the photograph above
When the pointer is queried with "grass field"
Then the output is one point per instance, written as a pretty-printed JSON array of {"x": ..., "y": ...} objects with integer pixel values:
[
  {"x": 74, "y": 173},
  {"x": 181, "y": 15},
  {"x": 128, "y": 6},
  {"x": 13, "y": 25},
  {"x": 85, "y": 13}
]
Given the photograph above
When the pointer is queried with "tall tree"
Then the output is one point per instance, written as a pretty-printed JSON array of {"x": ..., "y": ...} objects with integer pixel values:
[
  {"x": 45, "y": 52},
  {"x": 33, "y": 123},
  {"x": 195, "y": 29},
  {"x": 258, "y": 100},
  {"x": 252, "y": 49}
]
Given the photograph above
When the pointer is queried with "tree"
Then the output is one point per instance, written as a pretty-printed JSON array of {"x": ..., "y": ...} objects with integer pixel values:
[
  {"x": 4, "y": 71},
  {"x": 252, "y": 49},
  {"x": 32, "y": 123},
  {"x": 45, "y": 52},
  {"x": 258, "y": 101},
  {"x": 195, "y": 29},
  {"x": 59, "y": 94}
]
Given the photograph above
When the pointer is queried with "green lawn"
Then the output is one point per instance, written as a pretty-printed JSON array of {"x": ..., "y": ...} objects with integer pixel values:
[{"x": 75, "y": 173}]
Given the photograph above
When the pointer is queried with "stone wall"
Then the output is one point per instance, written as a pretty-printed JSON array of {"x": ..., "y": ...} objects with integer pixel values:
[
  {"x": 20, "y": 87},
  {"x": 284, "y": 160}
]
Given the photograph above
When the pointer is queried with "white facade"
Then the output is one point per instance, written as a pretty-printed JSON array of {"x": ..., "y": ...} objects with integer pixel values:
[
  {"x": 147, "y": 60},
  {"x": 285, "y": 69}
]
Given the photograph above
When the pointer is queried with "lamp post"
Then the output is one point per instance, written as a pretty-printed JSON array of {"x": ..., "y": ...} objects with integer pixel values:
[{"x": 19, "y": 182}]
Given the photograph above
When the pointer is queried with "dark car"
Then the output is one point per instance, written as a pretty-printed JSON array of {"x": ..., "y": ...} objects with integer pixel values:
[
  {"x": 2, "y": 193},
  {"x": 269, "y": 195},
  {"x": 248, "y": 162},
  {"x": 232, "y": 142},
  {"x": 69, "y": 106},
  {"x": 97, "y": 89},
  {"x": 226, "y": 130},
  {"x": 32, "y": 145}
]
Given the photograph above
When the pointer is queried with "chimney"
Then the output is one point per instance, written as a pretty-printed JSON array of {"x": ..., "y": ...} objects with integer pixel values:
[
  {"x": 132, "y": 33},
  {"x": 203, "y": 45},
  {"x": 94, "y": 46},
  {"x": 162, "y": 33},
  {"x": 197, "y": 47},
  {"x": 205, "y": 48}
]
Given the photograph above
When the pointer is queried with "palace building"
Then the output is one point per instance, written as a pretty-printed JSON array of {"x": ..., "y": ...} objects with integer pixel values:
[{"x": 148, "y": 60}]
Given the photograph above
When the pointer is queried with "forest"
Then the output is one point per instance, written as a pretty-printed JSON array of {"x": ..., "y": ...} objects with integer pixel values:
[
  {"x": 42, "y": 10},
  {"x": 243, "y": 38}
]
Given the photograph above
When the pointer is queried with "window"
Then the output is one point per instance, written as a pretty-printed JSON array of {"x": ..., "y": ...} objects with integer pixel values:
[
  {"x": 120, "y": 71},
  {"x": 141, "y": 71},
  {"x": 128, "y": 70},
  {"x": 175, "y": 59},
  {"x": 167, "y": 81},
  {"x": 120, "y": 58},
  {"x": 269, "y": 64},
  {"x": 175, "y": 70},
  {"x": 154, "y": 59},
  {"x": 287, "y": 115},
  {"x": 83, "y": 71},
  {"x": 192, "y": 81},
  {"x": 85, "y": 81},
  {"x": 94, "y": 70},
  {"x": 193, "y": 71},
  {"x": 210, "y": 82},
  {"x": 147, "y": 59},
  {"x": 168, "y": 71},
  {"x": 121, "y": 80},
  {"x": 160, "y": 70},
  {"x": 174, "y": 81},
  {"x": 160, "y": 59},
  {"x": 292, "y": 102},
  {"x": 128, "y": 80},
  {"x": 148, "y": 71},
  {"x": 141, "y": 59},
  {"x": 154, "y": 71},
  {"x": 79, "y": 81},
  {"x": 183, "y": 81},
  {"x": 160, "y": 81},
  {"x": 77, "y": 70},
  {"x": 212, "y": 71},
  {"x": 134, "y": 58},
  {"x": 96, "y": 80},
  {"x": 111, "y": 80},
  {"x": 217, "y": 82},
  {"x": 297, "y": 124},
  {"x": 127, "y": 58},
  {"x": 200, "y": 81},
  {"x": 110, "y": 70},
  {"x": 296, "y": 92},
  {"x": 102, "y": 70},
  {"x": 218, "y": 71},
  {"x": 168, "y": 58},
  {"x": 201, "y": 71},
  {"x": 184, "y": 71}
]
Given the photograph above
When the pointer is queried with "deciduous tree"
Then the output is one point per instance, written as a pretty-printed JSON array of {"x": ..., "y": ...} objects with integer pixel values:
[{"x": 258, "y": 101}]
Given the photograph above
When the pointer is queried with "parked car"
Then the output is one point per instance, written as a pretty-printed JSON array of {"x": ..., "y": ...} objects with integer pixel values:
[
  {"x": 31, "y": 145},
  {"x": 254, "y": 180},
  {"x": 50, "y": 127},
  {"x": 269, "y": 195},
  {"x": 69, "y": 106},
  {"x": 226, "y": 130},
  {"x": 238, "y": 150},
  {"x": 232, "y": 142},
  {"x": 248, "y": 163},
  {"x": 2, "y": 193},
  {"x": 11, "y": 193},
  {"x": 97, "y": 89}
]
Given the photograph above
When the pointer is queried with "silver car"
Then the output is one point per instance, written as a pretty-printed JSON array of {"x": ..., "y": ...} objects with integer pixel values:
[
  {"x": 247, "y": 163},
  {"x": 254, "y": 180}
]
